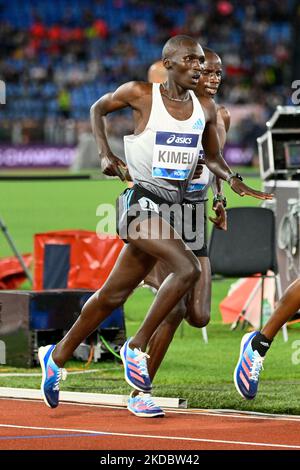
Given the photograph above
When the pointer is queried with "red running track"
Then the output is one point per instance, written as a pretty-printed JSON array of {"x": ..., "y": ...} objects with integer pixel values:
[{"x": 30, "y": 425}]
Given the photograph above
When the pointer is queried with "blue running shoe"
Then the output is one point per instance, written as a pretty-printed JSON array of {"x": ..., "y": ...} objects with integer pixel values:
[
  {"x": 135, "y": 367},
  {"x": 143, "y": 406},
  {"x": 51, "y": 376},
  {"x": 249, "y": 366}
]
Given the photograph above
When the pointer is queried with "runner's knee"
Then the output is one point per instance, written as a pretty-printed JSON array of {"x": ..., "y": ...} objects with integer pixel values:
[{"x": 200, "y": 320}]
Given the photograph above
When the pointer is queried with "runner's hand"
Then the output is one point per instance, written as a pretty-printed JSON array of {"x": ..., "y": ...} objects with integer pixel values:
[
  {"x": 243, "y": 190},
  {"x": 127, "y": 175},
  {"x": 220, "y": 220},
  {"x": 113, "y": 166}
]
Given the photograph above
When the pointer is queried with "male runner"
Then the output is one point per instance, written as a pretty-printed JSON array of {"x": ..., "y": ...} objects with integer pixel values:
[
  {"x": 161, "y": 157},
  {"x": 195, "y": 306}
]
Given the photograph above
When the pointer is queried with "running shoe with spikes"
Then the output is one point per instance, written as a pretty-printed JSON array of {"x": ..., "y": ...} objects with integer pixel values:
[
  {"x": 143, "y": 406},
  {"x": 51, "y": 376},
  {"x": 248, "y": 368},
  {"x": 135, "y": 368}
]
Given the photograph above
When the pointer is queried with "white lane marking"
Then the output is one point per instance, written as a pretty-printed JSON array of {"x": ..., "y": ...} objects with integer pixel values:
[
  {"x": 150, "y": 436},
  {"x": 37, "y": 374}
]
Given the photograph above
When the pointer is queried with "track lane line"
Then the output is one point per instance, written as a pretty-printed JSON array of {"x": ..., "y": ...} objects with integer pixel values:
[{"x": 150, "y": 436}]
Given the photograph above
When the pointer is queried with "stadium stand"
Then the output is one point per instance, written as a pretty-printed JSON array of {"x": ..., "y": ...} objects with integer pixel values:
[{"x": 59, "y": 57}]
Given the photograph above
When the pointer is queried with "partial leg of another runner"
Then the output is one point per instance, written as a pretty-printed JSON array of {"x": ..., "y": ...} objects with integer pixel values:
[{"x": 255, "y": 345}]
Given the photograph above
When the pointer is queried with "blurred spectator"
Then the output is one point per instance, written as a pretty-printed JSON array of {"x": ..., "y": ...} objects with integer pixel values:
[
  {"x": 57, "y": 58},
  {"x": 64, "y": 103}
]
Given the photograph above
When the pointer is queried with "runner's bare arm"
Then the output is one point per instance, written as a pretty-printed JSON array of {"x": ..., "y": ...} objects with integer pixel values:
[
  {"x": 214, "y": 159},
  {"x": 223, "y": 126},
  {"x": 219, "y": 203},
  {"x": 123, "y": 97}
]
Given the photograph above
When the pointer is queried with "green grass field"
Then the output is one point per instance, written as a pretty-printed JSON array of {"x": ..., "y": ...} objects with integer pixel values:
[{"x": 201, "y": 373}]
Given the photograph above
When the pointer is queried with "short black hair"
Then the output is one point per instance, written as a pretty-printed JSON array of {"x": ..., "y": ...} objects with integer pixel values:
[
  {"x": 174, "y": 43},
  {"x": 207, "y": 50}
]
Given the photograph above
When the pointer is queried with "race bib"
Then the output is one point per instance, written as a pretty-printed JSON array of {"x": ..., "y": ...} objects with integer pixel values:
[
  {"x": 198, "y": 184},
  {"x": 174, "y": 155}
]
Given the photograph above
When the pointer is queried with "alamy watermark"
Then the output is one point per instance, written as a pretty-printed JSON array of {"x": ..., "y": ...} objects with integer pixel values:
[
  {"x": 2, "y": 92},
  {"x": 107, "y": 222},
  {"x": 296, "y": 94},
  {"x": 2, "y": 352},
  {"x": 147, "y": 220},
  {"x": 296, "y": 353}
]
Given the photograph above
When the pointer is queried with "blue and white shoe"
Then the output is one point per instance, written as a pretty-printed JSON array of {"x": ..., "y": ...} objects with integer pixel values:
[
  {"x": 249, "y": 366},
  {"x": 51, "y": 376},
  {"x": 135, "y": 368},
  {"x": 143, "y": 406}
]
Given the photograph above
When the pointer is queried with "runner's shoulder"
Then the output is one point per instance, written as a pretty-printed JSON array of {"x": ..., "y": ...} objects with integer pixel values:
[
  {"x": 137, "y": 89},
  {"x": 209, "y": 107},
  {"x": 225, "y": 115}
]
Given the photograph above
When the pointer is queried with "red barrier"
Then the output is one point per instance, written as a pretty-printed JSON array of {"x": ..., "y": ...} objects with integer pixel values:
[
  {"x": 245, "y": 295},
  {"x": 12, "y": 274},
  {"x": 91, "y": 258}
]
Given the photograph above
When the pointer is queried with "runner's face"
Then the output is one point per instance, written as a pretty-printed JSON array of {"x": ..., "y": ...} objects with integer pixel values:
[
  {"x": 211, "y": 76},
  {"x": 185, "y": 65}
]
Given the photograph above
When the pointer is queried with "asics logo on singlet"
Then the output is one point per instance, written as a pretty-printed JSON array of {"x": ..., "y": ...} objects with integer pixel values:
[
  {"x": 176, "y": 139},
  {"x": 179, "y": 140}
]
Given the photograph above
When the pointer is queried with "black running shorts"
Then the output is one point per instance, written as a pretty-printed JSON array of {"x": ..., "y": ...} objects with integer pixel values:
[{"x": 188, "y": 220}]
